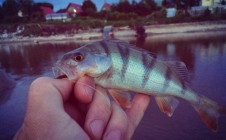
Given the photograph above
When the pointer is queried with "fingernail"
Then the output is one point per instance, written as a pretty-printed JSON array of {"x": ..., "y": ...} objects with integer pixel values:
[
  {"x": 97, "y": 127},
  {"x": 113, "y": 135},
  {"x": 89, "y": 91}
]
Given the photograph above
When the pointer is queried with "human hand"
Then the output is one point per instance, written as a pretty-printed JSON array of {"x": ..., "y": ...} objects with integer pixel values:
[{"x": 57, "y": 109}]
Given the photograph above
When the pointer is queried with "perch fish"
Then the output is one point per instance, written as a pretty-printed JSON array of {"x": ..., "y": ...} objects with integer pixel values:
[{"x": 122, "y": 68}]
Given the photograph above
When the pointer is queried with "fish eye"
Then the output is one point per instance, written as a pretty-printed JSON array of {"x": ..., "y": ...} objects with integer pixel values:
[{"x": 78, "y": 57}]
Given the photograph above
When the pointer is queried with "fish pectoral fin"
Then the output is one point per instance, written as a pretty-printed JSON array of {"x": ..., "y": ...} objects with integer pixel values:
[
  {"x": 167, "y": 104},
  {"x": 123, "y": 98}
]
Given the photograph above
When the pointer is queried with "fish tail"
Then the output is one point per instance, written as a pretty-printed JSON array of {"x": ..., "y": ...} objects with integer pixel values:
[{"x": 209, "y": 111}]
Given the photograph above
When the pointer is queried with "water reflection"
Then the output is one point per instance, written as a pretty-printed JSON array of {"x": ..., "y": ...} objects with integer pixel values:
[
  {"x": 33, "y": 59},
  {"x": 204, "y": 57},
  {"x": 184, "y": 50},
  {"x": 6, "y": 86}
]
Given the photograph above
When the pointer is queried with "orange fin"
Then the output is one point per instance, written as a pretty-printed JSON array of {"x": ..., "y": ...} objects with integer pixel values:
[
  {"x": 167, "y": 104},
  {"x": 209, "y": 111},
  {"x": 123, "y": 98}
]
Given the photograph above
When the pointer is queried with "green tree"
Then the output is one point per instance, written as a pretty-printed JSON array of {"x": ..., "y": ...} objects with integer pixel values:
[
  {"x": 1, "y": 13},
  {"x": 123, "y": 7},
  {"x": 134, "y": 6},
  {"x": 181, "y": 4},
  {"x": 37, "y": 6},
  {"x": 168, "y": 4},
  {"x": 25, "y": 6},
  {"x": 142, "y": 8},
  {"x": 10, "y": 8},
  {"x": 191, "y": 3},
  {"x": 151, "y": 5},
  {"x": 145, "y": 7},
  {"x": 37, "y": 14},
  {"x": 89, "y": 8}
]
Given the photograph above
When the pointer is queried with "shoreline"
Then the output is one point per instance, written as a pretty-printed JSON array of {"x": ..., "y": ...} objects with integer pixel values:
[{"x": 152, "y": 31}]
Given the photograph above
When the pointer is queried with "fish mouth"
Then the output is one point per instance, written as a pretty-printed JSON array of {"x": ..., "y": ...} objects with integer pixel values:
[
  {"x": 61, "y": 76},
  {"x": 62, "y": 72}
]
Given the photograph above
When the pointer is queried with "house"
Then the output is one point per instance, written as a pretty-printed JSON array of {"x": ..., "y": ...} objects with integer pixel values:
[
  {"x": 63, "y": 14},
  {"x": 73, "y": 9},
  {"x": 210, "y": 2},
  {"x": 46, "y": 10},
  {"x": 212, "y": 5},
  {"x": 158, "y": 2},
  {"x": 106, "y": 7},
  {"x": 62, "y": 11},
  {"x": 171, "y": 12},
  {"x": 58, "y": 16},
  {"x": 51, "y": 15}
]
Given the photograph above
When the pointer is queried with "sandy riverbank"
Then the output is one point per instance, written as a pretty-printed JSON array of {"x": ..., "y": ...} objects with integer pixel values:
[{"x": 154, "y": 31}]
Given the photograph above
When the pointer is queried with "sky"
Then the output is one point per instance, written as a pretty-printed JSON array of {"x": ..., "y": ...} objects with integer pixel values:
[{"x": 61, "y": 4}]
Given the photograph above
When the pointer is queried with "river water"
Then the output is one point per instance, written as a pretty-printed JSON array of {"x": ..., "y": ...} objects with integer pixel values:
[{"x": 205, "y": 58}]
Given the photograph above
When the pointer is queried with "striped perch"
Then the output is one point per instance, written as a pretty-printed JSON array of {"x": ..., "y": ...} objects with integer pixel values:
[{"x": 122, "y": 68}]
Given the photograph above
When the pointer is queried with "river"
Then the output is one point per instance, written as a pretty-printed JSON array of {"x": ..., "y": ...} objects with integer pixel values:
[{"x": 205, "y": 58}]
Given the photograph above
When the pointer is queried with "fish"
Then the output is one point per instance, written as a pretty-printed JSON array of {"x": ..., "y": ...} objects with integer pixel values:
[{"x": 122, "y": 68}]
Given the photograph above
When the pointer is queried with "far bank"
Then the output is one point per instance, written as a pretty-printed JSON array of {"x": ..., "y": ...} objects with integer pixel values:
[{"x": 153, "y": 31}]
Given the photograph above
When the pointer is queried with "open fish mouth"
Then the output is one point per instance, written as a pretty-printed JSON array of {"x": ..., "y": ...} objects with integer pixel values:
[
  {"x": 61, "y": 76},
  {"x": 60, "y": 73}
]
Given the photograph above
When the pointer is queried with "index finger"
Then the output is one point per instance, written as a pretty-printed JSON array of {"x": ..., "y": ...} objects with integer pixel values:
[{"x": 84, "y": 89}]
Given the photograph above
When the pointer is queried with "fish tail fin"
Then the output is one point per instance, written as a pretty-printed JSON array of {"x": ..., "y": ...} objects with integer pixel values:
[{"x": 209, "y": 111}]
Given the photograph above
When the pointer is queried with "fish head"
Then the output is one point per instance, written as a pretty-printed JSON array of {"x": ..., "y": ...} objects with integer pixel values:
[{"x": 80, "y": 62}]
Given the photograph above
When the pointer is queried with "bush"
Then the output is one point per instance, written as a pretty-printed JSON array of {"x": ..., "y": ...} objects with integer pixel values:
[
  {"x": 207, "y": 12},
  {"x": 88, "y": 22},
  {"x": 158, "y": 14},
  {"x": 121, "y": 16}
]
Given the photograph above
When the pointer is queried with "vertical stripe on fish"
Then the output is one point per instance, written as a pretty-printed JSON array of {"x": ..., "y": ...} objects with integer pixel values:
[
  {"x": 148, "y": 65},
  {"x": 168, "y": 76},
  {"x": 124, "y": 53},
  {"x": 105, "y": 47}
]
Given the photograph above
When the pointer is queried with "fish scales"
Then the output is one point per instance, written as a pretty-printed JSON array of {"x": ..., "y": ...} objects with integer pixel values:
[
  {"x": 132, "y": 68},
  {"x": 137, "y": 70},
  {"x": 148, "y": 65},
  {"x": 131, "y": 72},
  {"x": 140, "y": 66},
  {"x": 125, "y": 55},
  {"x": 117, "y": 65}
]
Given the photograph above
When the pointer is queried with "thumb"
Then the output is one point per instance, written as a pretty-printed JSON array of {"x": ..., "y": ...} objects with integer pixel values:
[{"x": 48, "y": 93}]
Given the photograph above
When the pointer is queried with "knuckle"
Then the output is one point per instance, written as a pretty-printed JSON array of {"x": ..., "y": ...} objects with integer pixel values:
[
  {"x": 38, "y": 85},
  {"x": 40, "y": 81}
]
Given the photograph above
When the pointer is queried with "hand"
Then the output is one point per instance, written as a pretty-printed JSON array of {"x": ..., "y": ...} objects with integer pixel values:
[{"x": 57, "y": 109}]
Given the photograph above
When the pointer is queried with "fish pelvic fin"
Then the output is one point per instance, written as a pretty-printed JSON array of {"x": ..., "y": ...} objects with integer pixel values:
[
  {"x": 167, "y": 104},
  {"x": 123, "y": 98},
  {"x": 209, "y": 111}
]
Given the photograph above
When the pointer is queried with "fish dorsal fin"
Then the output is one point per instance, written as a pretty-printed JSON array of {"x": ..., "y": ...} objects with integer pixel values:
[
  {"x": 123, "y": 98},
  {"x": 123, "y": 43},
  {"x": 143, "y": 51},
  {"x": 167, "y": 104},
  {"x": 180, "y": 69}
]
